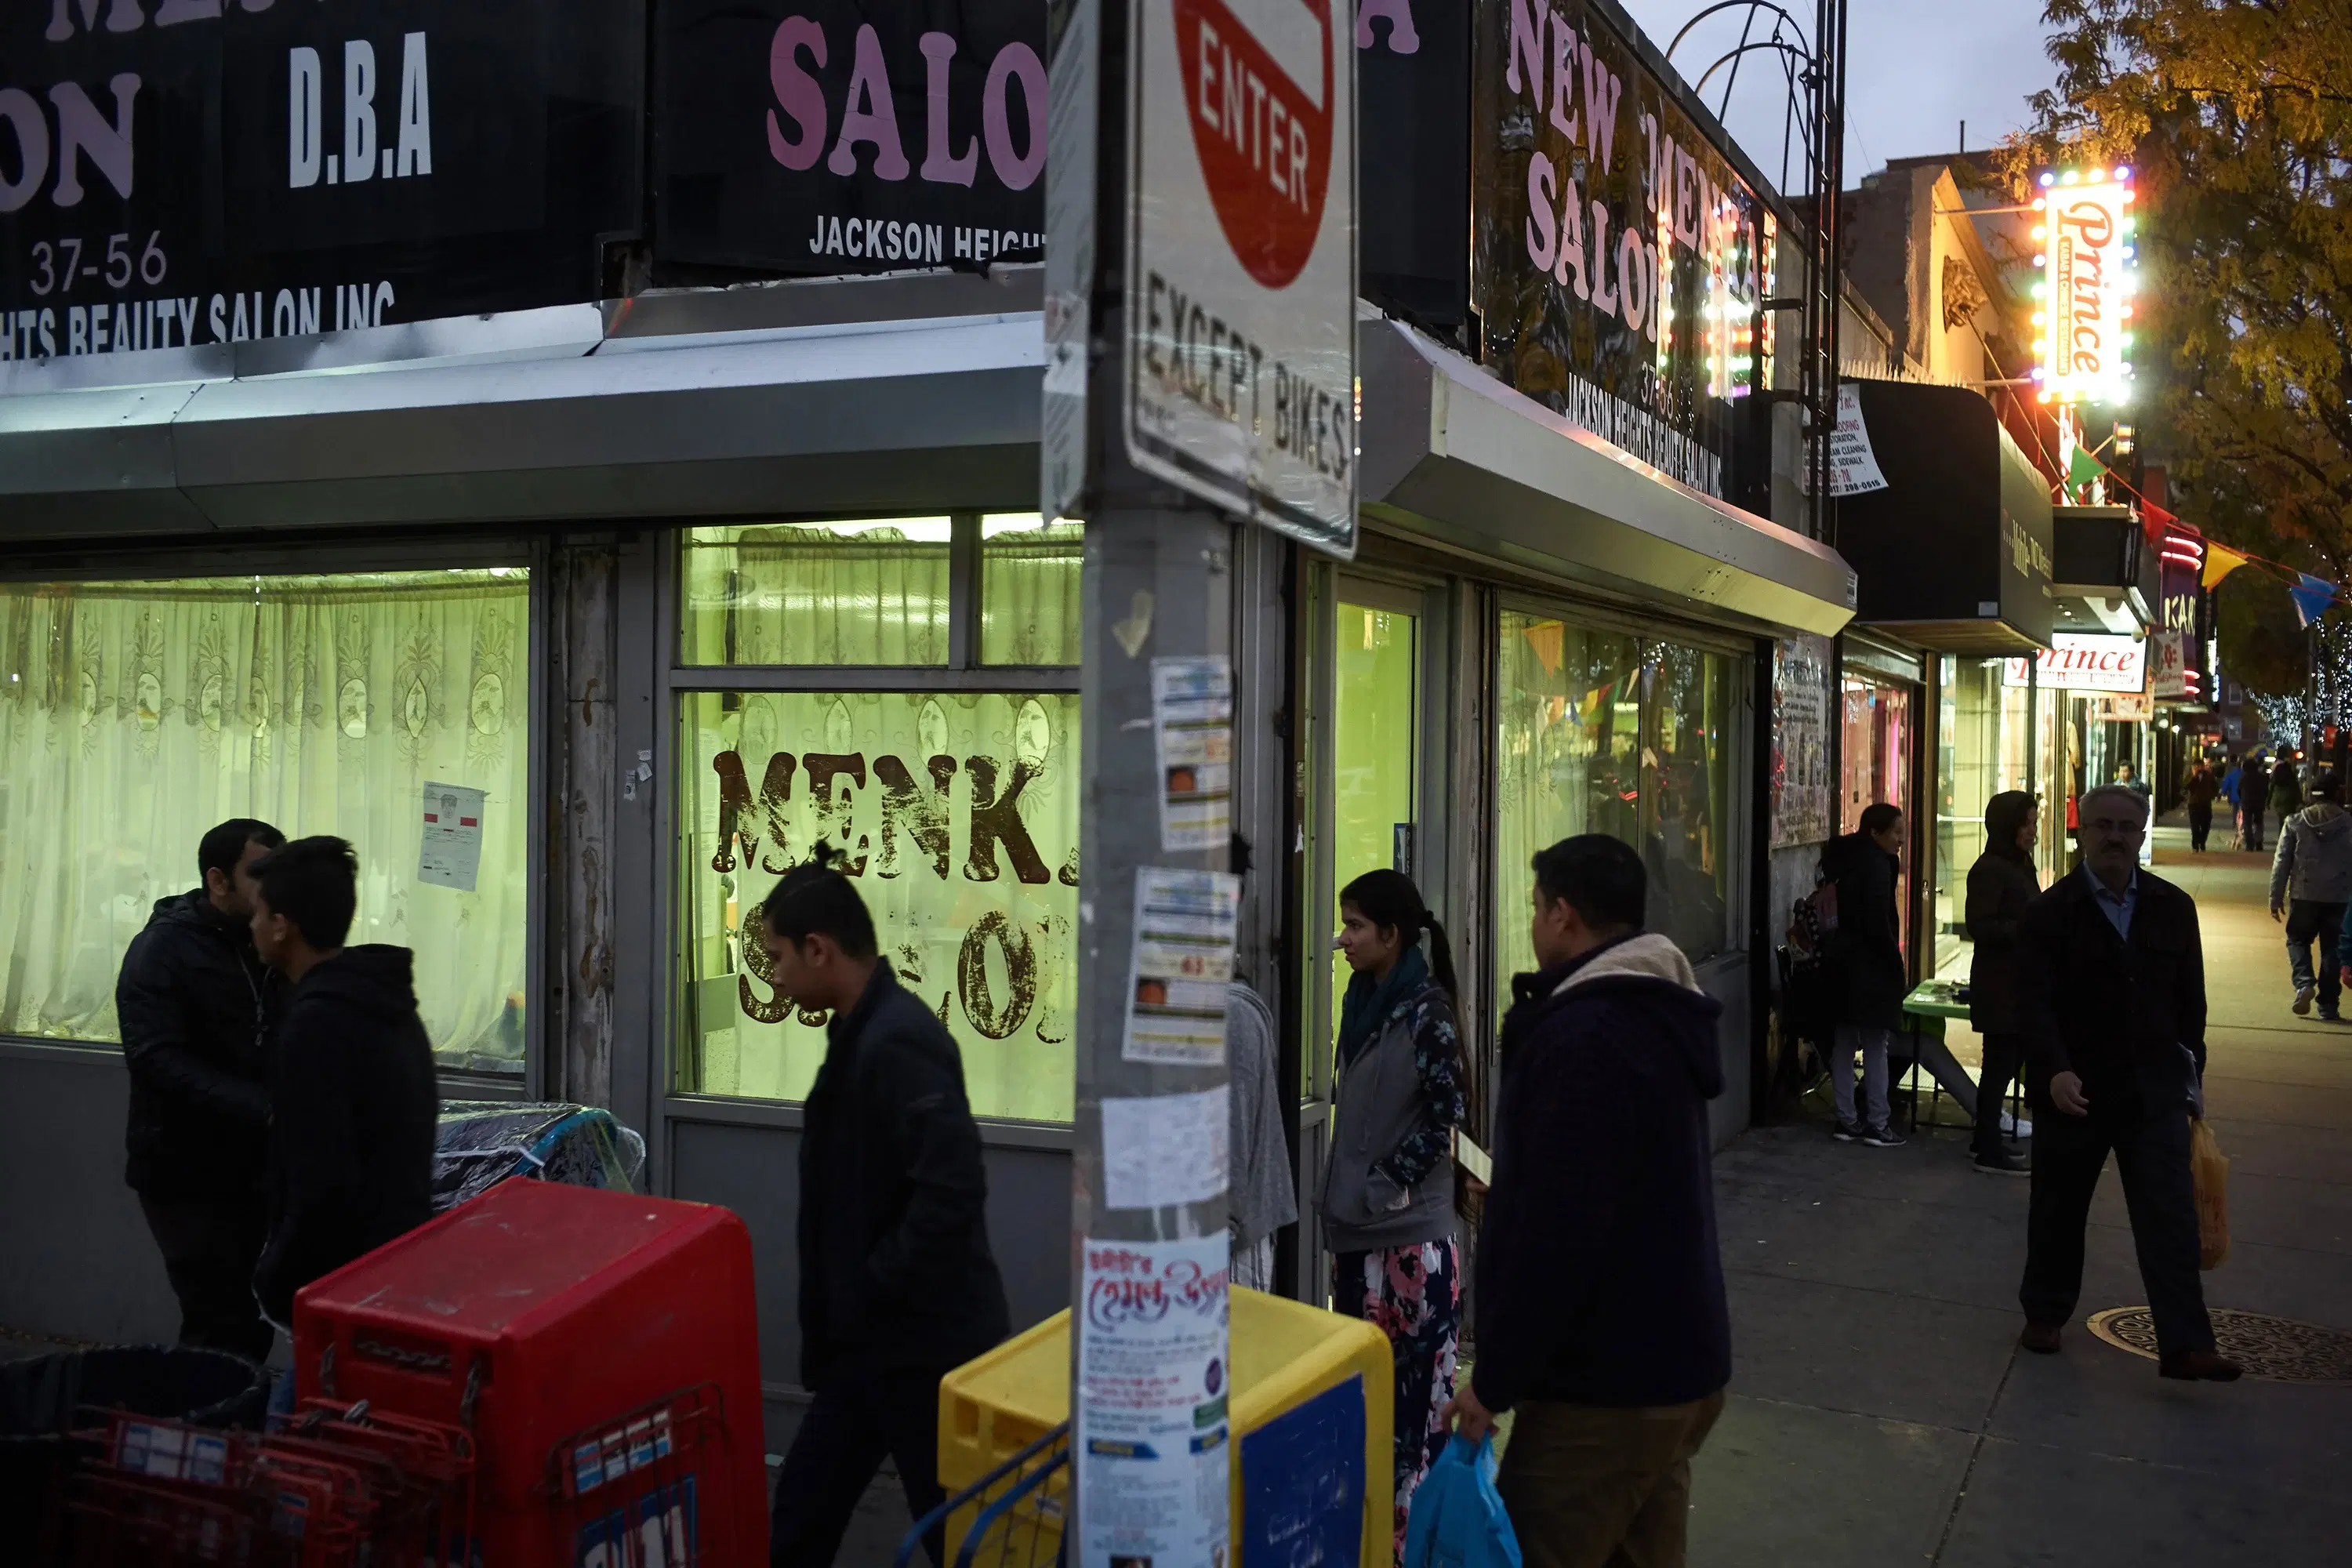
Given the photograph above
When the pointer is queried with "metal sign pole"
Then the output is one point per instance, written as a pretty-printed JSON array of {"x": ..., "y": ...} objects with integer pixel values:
[{"x": 1200, "y": 367}]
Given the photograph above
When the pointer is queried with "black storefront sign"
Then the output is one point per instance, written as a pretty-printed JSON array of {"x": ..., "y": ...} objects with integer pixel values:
[
  {"x": 1616, "y": 255},
  {"x": 1412, "y": 161},
  {"x": 188, "y": 172},
  {"x": 1958, "y": 548},
  {"x": 843, "y": 136}
]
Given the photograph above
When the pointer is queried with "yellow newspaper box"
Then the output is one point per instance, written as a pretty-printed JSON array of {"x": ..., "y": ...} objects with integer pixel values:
[{"x": 1299, "y": 1377}]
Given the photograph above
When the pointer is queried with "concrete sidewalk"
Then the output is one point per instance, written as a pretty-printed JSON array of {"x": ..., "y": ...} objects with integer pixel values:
[{"x": 1881, "y": 1412}]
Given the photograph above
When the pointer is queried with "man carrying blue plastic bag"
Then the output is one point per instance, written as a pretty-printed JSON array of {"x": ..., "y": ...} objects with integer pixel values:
[{"x": 1601, "y": 1315}]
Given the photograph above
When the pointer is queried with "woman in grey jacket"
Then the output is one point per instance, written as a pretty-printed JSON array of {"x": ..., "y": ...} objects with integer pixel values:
[{"x": 1388, "y": 1190}]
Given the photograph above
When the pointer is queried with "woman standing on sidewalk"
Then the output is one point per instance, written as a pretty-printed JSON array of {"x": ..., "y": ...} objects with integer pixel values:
[
  {"x": 1866, "y": 957},
  {"x": 1388, "y": 1192},
  {"x": 2000, "y": 884}
]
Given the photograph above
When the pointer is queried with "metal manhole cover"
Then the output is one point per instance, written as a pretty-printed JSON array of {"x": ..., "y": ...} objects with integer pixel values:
[{"x": 2279, "y": 1350}]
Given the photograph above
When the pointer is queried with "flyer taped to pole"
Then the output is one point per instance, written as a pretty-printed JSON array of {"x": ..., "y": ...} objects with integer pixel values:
[{"x": 1152, "y": 1442}]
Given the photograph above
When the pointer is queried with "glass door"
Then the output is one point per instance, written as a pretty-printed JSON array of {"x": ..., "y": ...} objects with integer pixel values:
[{"x": 1375, "y": 742}]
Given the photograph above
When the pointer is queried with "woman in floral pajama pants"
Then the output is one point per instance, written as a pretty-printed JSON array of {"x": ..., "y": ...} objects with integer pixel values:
[{"x": 1388, "y": 1188}]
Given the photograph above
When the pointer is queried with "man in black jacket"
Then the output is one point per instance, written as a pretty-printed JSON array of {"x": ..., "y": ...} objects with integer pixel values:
[
  {"x": 353, "y": 1100},
  {"x": 897, "y": 1287},
  {"x": 2113, "y": 1013},
  {"x": 1866, "y": 957},
  {"x": 1599, "y": 1300},
  {"x": 197, "y": 1009}
]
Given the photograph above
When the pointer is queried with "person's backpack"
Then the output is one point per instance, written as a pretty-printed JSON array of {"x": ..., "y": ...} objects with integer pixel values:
[{"x": 1456, "y": 1519}]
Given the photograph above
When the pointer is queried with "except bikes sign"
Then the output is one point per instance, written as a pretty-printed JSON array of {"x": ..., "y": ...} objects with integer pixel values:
[
  {"x": 186, "y": 172},
  {"x": 1241, "y": 289}
]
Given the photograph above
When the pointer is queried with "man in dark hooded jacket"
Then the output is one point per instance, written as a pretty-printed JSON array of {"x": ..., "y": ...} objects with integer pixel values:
[
  {"x": 196, "y": 1008},
  {"x": 1599, "y": 1300},
  {"x": 353, "y": 1100}
]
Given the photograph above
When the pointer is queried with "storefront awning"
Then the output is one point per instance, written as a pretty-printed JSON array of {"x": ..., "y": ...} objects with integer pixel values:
[
  {"x": 1454, "y": 458},
  {"x": 1955, "y": 548},
  {"x": 561, "y": 420},
  {"x": 2106, "y": 571}
]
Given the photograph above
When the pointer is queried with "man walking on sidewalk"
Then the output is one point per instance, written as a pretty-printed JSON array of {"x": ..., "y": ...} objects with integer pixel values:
[
  {"x": 1599, "y": 1300},
  {"x": 2311, "y": 882},
  {"x": 197, "y": 1009},
  {"x": 2115, "y": 1025},
  {"x": 2202, "y": 787},
  {"x": 896, "y": 1284},
  {"x": 2253, "y": 799}
]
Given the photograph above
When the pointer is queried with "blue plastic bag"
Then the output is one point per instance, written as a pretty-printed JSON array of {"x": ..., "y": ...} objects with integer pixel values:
[{"x": 1456, "y": 1519}]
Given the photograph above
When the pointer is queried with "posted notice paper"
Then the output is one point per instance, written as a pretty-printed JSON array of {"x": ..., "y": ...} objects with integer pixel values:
[
  {"x": 1154, "y": 1385},
  {"x": 1192, "y": 727},
  {"x": 450, "y": 854},
  {"x": 1160, "y": 1150},
  {"x": 1184, "y": 930}
]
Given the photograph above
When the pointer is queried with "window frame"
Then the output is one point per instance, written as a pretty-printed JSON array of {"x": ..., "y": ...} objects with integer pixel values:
[
  {"x": 1738, "y": 653},
  {"x": 679, "y": 680},
  {"x": 339, "y": 557}
]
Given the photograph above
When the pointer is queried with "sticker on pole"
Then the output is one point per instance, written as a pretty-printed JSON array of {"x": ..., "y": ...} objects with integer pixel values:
[{"x": 1240, "y": 287}]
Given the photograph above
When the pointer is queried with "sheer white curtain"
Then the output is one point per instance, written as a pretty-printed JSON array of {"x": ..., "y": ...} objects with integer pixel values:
[{"x": 136, "y": 715}]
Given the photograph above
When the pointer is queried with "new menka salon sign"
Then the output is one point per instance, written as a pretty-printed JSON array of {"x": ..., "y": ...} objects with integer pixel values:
[{"x": 2080, "y": 661}]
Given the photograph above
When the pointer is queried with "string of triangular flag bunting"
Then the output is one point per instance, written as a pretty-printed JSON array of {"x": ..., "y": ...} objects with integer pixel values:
[{"x": 2313, "y": 596}]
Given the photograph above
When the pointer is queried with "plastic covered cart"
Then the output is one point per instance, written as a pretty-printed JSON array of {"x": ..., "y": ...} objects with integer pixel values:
[{"x": 482, "y": 1142}]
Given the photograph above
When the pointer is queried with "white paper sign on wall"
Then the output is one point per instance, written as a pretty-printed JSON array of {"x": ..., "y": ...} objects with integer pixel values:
[
  {"x": 1853, "y": 466},
  {"x": 1240, "y": 356}
]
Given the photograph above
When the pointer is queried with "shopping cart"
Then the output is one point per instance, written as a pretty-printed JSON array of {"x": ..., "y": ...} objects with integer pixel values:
[
  {"x": 1013, "y": 1517},
  {"x": 330, "y": 1486}
]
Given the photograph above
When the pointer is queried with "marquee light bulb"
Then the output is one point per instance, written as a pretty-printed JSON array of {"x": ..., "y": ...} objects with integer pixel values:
[
  {"x": 2042, "y": 345},
  {"x": 2048, "y": 179},
  {"x": 2069, "y": 177},
  {"x": 2122, "y": 172},
  {"x": 2040, "y": 260},
  {"x": 2041, "y": 318},
  {"x": 2039, "y": 232}
]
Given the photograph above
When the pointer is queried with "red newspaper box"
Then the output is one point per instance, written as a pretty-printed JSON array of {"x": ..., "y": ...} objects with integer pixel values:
[{"x": 602, "y": 1349}]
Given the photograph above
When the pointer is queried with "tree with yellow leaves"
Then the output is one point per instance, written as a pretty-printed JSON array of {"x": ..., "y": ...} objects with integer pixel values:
[{"x": 2238, "y": 116}]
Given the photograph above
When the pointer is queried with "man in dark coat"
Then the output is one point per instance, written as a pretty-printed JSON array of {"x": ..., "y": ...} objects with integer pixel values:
[
  {"x": 2202, "y": 787},
  {"x": 354, "y": 1101},
  {"x": 897, "y": 1287},
  {"x": 2253, "y": 799},
  {"x": 2001, "y": 885},
  {"x": 2114, "y": 1003},
  {"x": 1601, "y": 1310},
  {"x": 2287, "y": 787},
  {"x": 1866, "y": 955},
  {"x": 196, "y": 1008}
]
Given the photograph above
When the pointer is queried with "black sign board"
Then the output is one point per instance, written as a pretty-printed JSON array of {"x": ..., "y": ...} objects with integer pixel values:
[
  {"x": 1412, "y": 161},
  {"x": 186, "y": 172},
  {"x": 1958, "y": 549},
  {"x": 839, "y": 136},
  {"x": 1618, "y": 262}
]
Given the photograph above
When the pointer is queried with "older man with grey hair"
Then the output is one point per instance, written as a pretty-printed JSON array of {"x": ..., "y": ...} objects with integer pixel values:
[{"x": 2113, "y": 1013}]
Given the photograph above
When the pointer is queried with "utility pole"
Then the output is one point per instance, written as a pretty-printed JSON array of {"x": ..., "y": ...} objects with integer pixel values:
[{"x": 1200, "y": 349}]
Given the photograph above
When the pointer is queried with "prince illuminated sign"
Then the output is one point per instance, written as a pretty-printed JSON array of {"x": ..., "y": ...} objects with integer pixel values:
[{"x": 2082, "y": 318}]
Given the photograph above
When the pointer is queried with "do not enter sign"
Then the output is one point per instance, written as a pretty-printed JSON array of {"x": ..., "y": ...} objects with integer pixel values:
[
  {"x": 1263, "y": 127},
  {"x": 1240, "y": 287}
]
